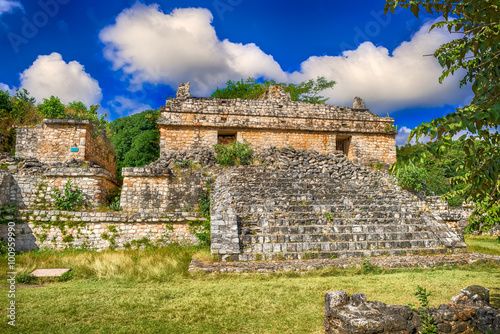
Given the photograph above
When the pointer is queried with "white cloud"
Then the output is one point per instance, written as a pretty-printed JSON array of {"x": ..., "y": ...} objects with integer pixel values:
[
  {"x": 402, "y": 137},
  {"x": 150, "y": 46},
  {"x": 8, "y": 6},
  {"x": 127, "y": 107},
  {"x": 51, "y": 75},
  {"x": 4, "y": 87},
  {"x": 387, "y": 82}
]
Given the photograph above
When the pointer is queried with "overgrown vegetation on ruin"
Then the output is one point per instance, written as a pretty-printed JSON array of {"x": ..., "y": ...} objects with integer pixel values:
[
  {"x": 307, "y": 91},
  {"x": 69, "y": 199},
  {"x": 22, "y": 110},
  {"x": 233, "y": 154}
]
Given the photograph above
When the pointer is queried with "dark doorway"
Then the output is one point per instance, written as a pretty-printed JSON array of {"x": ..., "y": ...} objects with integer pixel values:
[{"x": 342, "y": 144}]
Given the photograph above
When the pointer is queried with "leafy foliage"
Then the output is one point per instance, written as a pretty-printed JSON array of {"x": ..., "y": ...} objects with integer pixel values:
[
  {"x": 136, "y": 139},
  {"x": 232, "y": 154},
  {"x": 424, "y": 311},
  {"x": 307, "y": 91},
  {"x": 15, "y": 111},
  {"x": 430, "y": 174},
  {"x": 52, "y": 108},
  {"x": 477, "y": 51},
  {"x": 69, "y": 200}
]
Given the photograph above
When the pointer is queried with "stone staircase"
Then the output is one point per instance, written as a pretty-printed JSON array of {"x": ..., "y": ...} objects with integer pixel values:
[{"x": 262, "y": 213}]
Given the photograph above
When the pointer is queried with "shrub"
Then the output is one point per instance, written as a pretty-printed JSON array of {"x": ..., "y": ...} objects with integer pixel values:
[
  {"x": 70, "y": 200},
  {"x": 52, "y": 108},
  {"x": 232, "y": 154},
  {"x": 413, "y": 178},
  {"x": 25, "y": 278}
]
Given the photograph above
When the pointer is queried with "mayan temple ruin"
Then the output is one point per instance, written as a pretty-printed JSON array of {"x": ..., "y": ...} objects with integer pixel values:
[{"x": 317, "y": 187}]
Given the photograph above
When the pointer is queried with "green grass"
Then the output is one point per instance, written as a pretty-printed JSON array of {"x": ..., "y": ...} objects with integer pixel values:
[
  {"x": 283, "y": 303},
  {"x": 150, "y": 291},
  {"x": 483, "y": 244}
]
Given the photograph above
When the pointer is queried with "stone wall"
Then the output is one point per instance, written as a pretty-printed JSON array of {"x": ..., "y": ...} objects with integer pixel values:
[
  {"x": 151, "y": 189},
  {"x": 56, "y": 141},
  {"x": 34, "y": 187},
  {"x": 187, "y": 123},
  {"x": 27, "y": 141},
  {"x": 39, "y": 229},
  {"x": 468, "y": 312},
  {"x": 5, "y": 180}
]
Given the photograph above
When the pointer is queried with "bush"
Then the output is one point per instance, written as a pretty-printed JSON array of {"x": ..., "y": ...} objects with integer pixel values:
[
  {"x": 25, "y": 278},
  {"x": 233, "y": 154},
  {"x": 412, "y": 178},
  {"x": 52, "y": 108},
  {"x": 70, "y": 200}
]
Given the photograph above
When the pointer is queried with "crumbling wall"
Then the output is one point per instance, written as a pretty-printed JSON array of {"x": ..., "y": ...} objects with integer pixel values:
[
  {"x": 161, "y": 189},
  {"x": 35, "y": 187},
  {"x": 62, "y": 140},
  {"x": 27, "y": 141},
  {"x": 42, "y": 229},
  {"x": 274, "y": 120},
  {"x": 467, "y": 312},
  {"x": 5, "y": 180}
]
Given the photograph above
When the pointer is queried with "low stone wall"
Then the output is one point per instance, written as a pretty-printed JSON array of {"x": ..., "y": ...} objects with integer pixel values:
[
  {"x": 38, "y": 229},
  {"x": 161, "y": 189},
  {"x": 35, "y": 185},
  {"x": 467, "y": 312}
]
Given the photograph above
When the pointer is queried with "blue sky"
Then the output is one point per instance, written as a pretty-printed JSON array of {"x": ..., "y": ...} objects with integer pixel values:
[{"x": 129, "y": 56}]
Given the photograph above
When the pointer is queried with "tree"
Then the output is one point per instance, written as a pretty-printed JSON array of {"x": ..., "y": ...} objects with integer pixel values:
[
  {"x": 307, "y": 91},
  {"x": 136, "y": 139},
  {"x": 477, "y": 51},
  {"x": 52, "y": 108}
]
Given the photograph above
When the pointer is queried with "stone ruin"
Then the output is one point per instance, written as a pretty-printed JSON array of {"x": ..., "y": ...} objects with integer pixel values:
[
  {"x": 310, "y": 193},
  {"x": 468, "y": 312}
]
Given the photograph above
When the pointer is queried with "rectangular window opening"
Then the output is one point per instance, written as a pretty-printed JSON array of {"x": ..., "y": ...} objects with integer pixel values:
[{"x": 226, "y": 137}]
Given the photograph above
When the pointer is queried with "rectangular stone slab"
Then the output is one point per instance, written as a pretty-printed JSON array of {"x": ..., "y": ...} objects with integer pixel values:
[{"x": 53, "y": 272}]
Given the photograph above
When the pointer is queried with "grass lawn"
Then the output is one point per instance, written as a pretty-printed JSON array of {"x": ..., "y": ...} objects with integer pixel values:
[{"x": 122, "y": 292}]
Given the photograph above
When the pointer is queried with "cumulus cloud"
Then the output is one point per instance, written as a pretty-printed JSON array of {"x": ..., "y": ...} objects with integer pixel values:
[
  {"x": 126, "y": 107},
  {"x": 8, "y": 6},
  {"x": 388, "y": 82},
  {"x": 5, "y": 87},
  {"x": 157, "y": 48},
  {"x": 51, "y": 75}
]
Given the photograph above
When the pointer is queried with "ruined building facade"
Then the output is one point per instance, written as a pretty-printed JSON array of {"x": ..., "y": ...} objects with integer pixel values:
[{"x": 189, "y": 123}]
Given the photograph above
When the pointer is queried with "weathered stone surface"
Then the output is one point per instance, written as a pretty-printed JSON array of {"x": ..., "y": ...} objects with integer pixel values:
[
  {"x": 53, "y": 140},
  {"x": 190, "y": 123},
  {"x": 303, "y": 204},
  {"x": 358, "y": 103},
  {"x": 32, "y": 184},
  {"x": 354, "y": 314},
  {"x": 42, "y": 229},
  {"x": 393, "y": 261}
]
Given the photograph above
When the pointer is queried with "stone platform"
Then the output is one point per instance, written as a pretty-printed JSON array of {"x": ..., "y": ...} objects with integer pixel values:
[{"x": 422, "y": 261}]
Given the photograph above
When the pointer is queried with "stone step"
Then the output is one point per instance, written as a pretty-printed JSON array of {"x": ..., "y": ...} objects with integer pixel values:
[
  {"x": 326, "y": 229},
  {"x": 343, "y": 254},
  {"x": 294, "y": 220},
  {"x": 325, "y": 210},
  {"x": 305, "y": 247},
  {"x": 334, "y": 237}
]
